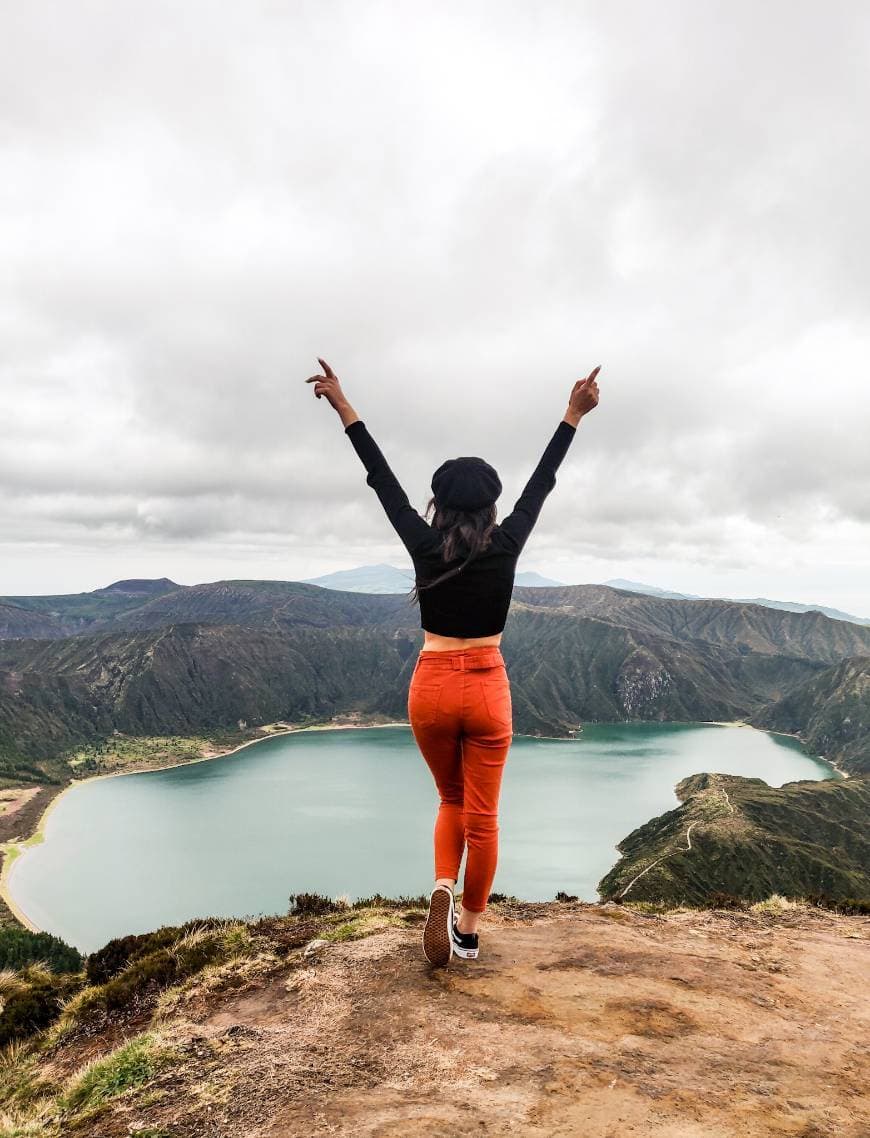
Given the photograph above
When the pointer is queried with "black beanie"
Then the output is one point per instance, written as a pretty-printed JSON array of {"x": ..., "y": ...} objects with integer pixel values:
[{"x": 465, "y": 484}]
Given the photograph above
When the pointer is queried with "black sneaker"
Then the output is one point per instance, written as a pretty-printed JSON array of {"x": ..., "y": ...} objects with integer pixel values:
[
  {"x": 437, "y": 939},
  {"x": 464, "y": 944}
]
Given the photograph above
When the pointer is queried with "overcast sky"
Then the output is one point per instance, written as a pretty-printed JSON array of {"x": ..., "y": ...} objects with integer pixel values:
[{"x": 463, "y": 208}]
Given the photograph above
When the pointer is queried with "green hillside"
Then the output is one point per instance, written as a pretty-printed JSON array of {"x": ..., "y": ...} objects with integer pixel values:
[
  {"x": 201, "y": 659},
  {"x": 831, "y": 713},
  {"x": 193, "y": 678},
  {"x": 71, "y": 613},
  {"x": 741, "y": 837}
]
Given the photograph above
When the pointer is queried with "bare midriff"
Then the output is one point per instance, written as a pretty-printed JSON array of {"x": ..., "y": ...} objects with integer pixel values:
[{"x": 433, "y": 642}]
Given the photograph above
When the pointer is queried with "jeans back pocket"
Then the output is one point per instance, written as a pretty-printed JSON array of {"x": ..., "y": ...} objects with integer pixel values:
[
  {"x": 496, "y": 691},
  {"x": 424, "y": 701}
]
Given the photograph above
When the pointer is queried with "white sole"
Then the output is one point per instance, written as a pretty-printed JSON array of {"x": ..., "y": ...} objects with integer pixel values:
[
  {"x": 438, "y": 943},
  {"x": 465, "y": 953}
]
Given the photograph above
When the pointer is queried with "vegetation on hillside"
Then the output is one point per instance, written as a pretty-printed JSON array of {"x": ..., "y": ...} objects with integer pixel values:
[
  {"x": 218, "y": 1026},
  {"x": 128, "y": 992},
  {"x": 258, "y": 652},
  {"x": 742, "y": 838},
  {"x": 830, "y": 712},
  {"x": 20, "y": 947}
]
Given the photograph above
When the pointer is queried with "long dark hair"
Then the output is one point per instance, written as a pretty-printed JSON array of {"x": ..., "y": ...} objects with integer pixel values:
[{"x": 465, "y": 532}]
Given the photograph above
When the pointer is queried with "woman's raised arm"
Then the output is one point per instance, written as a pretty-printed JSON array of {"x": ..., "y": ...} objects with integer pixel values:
[
  {"x": 520, "y": 522},
  {"x": 411, "y": 528}
]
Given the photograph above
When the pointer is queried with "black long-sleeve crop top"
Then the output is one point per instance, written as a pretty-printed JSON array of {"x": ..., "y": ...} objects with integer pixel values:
[{"x": 475, "y": 601}]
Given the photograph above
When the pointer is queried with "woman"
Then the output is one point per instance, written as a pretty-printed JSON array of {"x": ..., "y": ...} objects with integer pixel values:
[{"x": 459, "y": 699}]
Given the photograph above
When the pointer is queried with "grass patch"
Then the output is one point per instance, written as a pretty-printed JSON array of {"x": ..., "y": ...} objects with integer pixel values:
[
  {"x": 775, "y": 905},
  {"x": 23, "y": 1091},
  {"x": 123, "y": 751},
  {"x": 347, "y": 931},
  {"x": 131, "y": 1066},
  {"x": 364, "y": 924},
  {"x": 140, "y": 968},
  {"x": 650, "y": 908},
  {"x": 10, "y": 1127}
]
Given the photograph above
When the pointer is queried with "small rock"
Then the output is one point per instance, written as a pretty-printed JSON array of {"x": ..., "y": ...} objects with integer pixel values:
[{"x": 313, "y": 946}]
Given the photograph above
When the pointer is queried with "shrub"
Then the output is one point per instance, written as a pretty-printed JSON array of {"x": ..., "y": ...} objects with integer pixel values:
[
  {"x": 19, "y": 947},
  {"x": 118, "y": 953},
  {"x": 566, "y": 897},
  {"x": 718, "y": 900},
  {"x": 202, "y": 944},
  {"x": 851, "y": 906},
  {"x": 34, "y": 1006},
  {"x": 313, "y": 905},
  {"x": 114, "y": 956},
  {"x": 155, "y": 971}
]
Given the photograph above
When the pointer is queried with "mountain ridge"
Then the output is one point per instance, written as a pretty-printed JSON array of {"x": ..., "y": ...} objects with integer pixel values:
[
  {"x": 208, "y": 656},
  {"x": 122, "y": 606},
  {"x": 742, "y": 838}
]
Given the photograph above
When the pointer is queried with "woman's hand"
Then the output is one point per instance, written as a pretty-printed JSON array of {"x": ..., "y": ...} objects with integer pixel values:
[
  {"x": 583, "y": 398},
  {"x": 328, "y": 385}
]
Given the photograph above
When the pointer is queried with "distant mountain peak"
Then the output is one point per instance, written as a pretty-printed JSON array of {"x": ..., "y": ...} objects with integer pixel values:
[
  {"x": 139, "y": 587},
  {"x": 383, "y": 578},
  {"x": 765, "y": 602}
]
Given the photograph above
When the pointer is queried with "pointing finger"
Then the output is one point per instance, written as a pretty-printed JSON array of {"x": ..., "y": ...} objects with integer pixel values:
[{"x": 330, "y": 374}]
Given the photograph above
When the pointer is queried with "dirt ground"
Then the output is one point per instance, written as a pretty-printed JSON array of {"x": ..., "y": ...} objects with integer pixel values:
[
  {"x": 576, "y": 1020},
  {"x": 22, "y": 808}
]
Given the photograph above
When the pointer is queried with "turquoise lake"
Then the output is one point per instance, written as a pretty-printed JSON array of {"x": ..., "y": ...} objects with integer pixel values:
[{"x": 351, "y": 812}]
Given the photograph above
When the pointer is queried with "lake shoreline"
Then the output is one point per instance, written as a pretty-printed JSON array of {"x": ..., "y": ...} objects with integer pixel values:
[
  {"x": 832, "y": 763},
  {"x": 12, "y": 850}
]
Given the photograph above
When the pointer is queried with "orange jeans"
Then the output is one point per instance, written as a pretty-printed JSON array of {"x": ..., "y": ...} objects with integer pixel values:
[{"x": 459, "y": 707}]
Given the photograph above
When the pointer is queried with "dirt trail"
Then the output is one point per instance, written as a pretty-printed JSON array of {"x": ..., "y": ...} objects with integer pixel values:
[
  {"x": 687, "y": 848},
  {"x": 577, "y": 1020}
]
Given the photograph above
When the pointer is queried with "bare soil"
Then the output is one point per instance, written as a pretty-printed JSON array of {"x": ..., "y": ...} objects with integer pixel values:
[{"x": 576, "y": 1020}]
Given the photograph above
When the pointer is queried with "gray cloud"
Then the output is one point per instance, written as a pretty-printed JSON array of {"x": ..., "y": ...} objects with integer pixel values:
[{"x": 463, "y": 210}]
